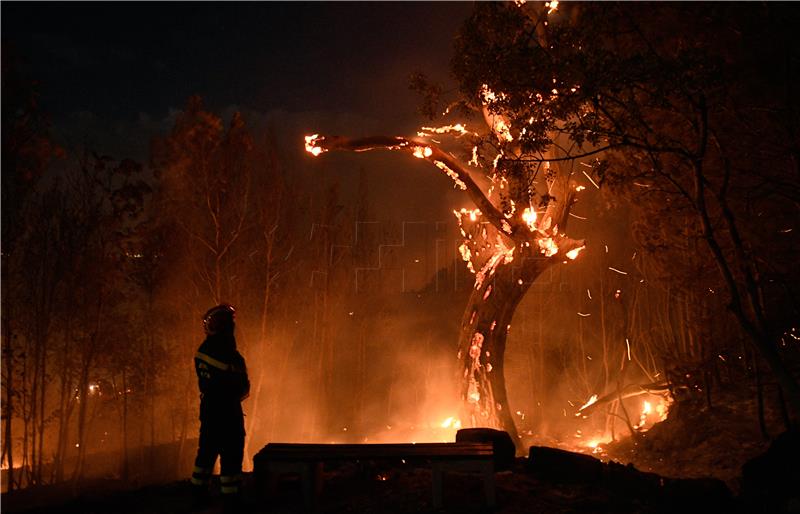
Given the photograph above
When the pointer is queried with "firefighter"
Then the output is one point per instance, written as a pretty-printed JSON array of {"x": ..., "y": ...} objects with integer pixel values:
[{"x": 223, "y": 381}]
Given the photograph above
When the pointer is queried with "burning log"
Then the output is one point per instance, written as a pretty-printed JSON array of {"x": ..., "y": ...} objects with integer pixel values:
[{"x": 629, "y": 391}]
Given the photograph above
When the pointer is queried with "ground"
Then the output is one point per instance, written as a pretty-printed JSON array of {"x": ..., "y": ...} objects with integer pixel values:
[
  {"x": 386, "y": 489},
  {"x": 705, "y": 447}
]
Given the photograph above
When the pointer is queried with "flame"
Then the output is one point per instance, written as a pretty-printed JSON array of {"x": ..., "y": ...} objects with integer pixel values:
[
  {"x": 502, "y": 129},
  {"x": 421, "y": 152},
  {"x": 458, "y": 127},
  {"x": 474, "y": 160},
  {"x": 572, "y": 254},
  {"x": 451, "y": 422},
  {"x": 548, "y": 246},
  {"x": 591, "y": 401},
  {"x": 311, "y": 145},
  {"x": 500, "y": 126},
  {"x": 529, "y": 217},
  {"x": 466, "y": 254},
  {"x": 450, "y": 173}
]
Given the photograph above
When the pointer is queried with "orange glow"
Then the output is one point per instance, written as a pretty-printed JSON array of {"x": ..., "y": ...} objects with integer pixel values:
[{"x": 529, "y": 217}]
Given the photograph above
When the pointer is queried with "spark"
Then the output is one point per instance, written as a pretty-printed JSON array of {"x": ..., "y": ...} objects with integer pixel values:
[
  {"x": 584, "y": 315},
  {"x": 589, "y": 294},
  {"x": 590, "y": 179},
  {"x": 628, "y": 345},
  {"x": 580, "y": 188},
  {"x": 618, "y": 271},
  {"x": 576, "y": 216},
  {"x": 553, "y": 5}
]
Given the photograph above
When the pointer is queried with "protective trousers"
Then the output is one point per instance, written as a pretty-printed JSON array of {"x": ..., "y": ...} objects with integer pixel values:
[{"x": 224, "y": 437}]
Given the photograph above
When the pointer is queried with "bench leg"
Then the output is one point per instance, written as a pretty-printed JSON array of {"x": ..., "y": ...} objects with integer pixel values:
[{"x": 437, "y": 485}]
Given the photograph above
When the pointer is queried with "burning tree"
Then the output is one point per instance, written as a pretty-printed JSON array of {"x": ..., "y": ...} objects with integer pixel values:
[
  {"x": 514, "y": 231},
  {"x": 648, "y": 104}
]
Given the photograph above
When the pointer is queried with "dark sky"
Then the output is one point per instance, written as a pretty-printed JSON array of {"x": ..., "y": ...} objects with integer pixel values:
[
  {"x": 125, "y": 66},
  {"x": 113, "y": 75}
]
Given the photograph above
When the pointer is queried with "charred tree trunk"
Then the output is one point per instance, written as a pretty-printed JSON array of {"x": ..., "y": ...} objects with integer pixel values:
[{"x": 482, "y": 342}]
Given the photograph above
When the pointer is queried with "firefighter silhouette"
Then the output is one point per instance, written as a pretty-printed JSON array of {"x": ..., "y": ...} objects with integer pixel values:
[{"x": 222, "y": 377}]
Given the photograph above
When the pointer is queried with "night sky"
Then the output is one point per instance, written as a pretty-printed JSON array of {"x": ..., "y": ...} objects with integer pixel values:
[
  {"x": 113, "y": 76},
  {"x": 127, "y": 66}
]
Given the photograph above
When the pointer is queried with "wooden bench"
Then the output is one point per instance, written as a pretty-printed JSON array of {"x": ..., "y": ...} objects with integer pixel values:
[{"x": 307, "y": 461}]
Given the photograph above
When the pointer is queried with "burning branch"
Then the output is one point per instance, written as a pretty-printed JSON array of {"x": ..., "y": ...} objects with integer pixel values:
[{"x": 316, "y": 145}]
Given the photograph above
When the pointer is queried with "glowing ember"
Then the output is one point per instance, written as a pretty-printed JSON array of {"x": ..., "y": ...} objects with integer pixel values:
[
  {"x": 572, "y": 254},
  {"x": 547, "y": 246},
  {"x": 452, "y": 174}
]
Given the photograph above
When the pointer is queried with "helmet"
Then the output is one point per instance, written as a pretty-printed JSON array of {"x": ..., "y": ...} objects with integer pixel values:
[{"x": 219, "y": 319}]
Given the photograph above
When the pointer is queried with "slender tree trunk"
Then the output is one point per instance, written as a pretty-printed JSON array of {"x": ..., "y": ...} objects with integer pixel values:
[
  {"x": 125, "y": 465},
  {"x": 757, "y": 330},
  {"x": 8, "y": 441}
]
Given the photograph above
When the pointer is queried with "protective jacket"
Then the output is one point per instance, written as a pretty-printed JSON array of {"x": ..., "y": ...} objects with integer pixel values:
[
  {"x": 222, "y": 377},
  {"x": 221, "y": 373}
]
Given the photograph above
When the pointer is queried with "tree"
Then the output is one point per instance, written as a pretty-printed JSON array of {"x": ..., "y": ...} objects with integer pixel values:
[
  {"x": 27, "y": 150},
  {"x": 508, "y": 241},
  {"x": 675, "y": 100}
]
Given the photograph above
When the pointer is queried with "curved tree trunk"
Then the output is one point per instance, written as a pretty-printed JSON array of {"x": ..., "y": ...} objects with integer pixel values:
[
  {"x": 482, "y": 342},
  {"x": 530, "y": 239}
]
